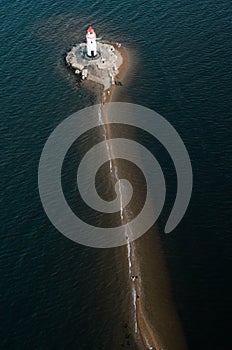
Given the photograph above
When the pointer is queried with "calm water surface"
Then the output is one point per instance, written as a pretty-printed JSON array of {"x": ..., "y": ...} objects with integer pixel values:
[{"x": 54, "y": 293}]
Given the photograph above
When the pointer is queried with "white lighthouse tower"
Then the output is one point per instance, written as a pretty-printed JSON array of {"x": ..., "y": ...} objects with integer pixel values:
[{"x": 91, "y": 42}]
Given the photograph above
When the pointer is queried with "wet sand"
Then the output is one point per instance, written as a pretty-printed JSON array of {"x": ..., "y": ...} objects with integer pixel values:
[{"x": 153, "y": 317}]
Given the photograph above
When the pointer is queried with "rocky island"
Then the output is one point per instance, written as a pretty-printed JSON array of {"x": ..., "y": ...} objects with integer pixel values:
[{"x": 101, "y": 62}]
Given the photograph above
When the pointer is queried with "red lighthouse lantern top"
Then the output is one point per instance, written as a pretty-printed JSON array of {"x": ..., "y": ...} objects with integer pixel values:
[{"x": 90, "y": 30}]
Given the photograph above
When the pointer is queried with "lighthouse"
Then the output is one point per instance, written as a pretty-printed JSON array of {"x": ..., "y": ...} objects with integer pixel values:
[{"x": 91, "y": 42}]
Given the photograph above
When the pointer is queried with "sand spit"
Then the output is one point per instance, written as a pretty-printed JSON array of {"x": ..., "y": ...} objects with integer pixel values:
[{"x": 154, "y": 318}]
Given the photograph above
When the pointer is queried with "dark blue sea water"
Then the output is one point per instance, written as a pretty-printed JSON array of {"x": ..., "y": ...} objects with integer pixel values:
[{"x": 54, "y": 293}]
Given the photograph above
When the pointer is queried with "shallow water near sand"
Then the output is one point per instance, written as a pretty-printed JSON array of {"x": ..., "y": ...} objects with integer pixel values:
[{"x": 54, "y": 293}]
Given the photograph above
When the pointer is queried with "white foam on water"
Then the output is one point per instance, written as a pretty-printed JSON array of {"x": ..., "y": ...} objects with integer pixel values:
[
  {"x": 101, "y": 121},
  {"x": 135, "y": 309},
  {"x": 130, "y": 251}
]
